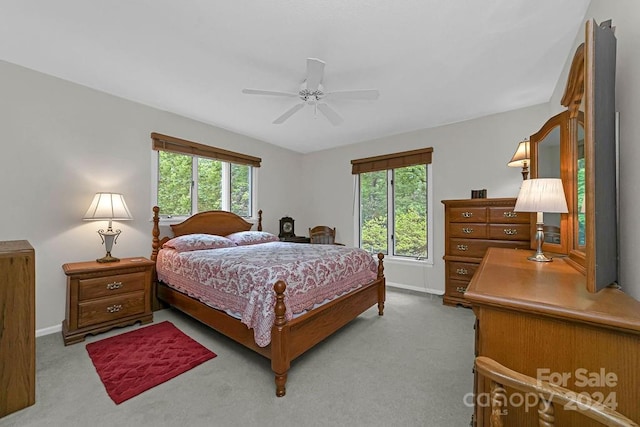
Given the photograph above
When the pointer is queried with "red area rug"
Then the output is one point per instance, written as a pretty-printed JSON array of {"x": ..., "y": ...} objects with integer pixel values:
[{"x": 136, "y": 361}]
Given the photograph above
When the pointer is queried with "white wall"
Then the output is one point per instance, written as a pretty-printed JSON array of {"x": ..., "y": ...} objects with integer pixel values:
[
  {"x": 468, "y": 155},
  {"x": 62, "y": 142}
]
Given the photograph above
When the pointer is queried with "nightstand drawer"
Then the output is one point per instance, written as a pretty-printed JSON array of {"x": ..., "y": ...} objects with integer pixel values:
[
  {"x": 107, "y": 309},
  {"x": 110, "y": 285}
]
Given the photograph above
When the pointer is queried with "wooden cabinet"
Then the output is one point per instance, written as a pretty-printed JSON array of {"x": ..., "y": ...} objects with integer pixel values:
[
  {"x": 101, "y": 296},
  {"x": 471, "y": 227},
  {"x": 539, "y": 319},
  {"x": 17, "y": 326}
]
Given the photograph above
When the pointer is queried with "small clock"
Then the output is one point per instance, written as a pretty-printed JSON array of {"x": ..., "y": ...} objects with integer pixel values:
[{"x": 286, "y": 227}]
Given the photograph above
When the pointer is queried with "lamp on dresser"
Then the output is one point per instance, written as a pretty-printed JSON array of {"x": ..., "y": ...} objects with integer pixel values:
[
  {"x": 108, "y": 206},
  {"x": 521, "y": 158},
  {"x": 541, "y": 195}
]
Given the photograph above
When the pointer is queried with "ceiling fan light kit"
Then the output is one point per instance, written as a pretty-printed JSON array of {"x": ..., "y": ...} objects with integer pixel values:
[{"x": 312, "y": 92}]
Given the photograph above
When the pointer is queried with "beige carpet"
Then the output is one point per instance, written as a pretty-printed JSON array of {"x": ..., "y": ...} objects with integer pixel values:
[{"x": 411, "y": 367}]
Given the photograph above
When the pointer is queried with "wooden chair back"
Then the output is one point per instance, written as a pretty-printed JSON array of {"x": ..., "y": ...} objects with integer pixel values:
[
  {"x": 547, "y": 393},
  {"x": 322, "y": 234}
]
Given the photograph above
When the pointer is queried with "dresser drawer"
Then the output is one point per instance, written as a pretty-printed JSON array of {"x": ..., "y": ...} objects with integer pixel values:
[
  {"x": 456, "y": 288},
  {"x": 507, "y": 215},
  {"x": 107, "y": 309},
  {"x": 468, "y": 230},
  {"x": 477, "y": 248},
  {"x": 110, "y": 285},
  {"x": 461, "y": 270},
  {"x": 468, "y": 215},
  {"x": 509, "y": 231}
]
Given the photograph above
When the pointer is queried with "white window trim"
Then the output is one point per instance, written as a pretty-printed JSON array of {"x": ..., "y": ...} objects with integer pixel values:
[
  {"x": 429, "y": 260},
  {"x": 226, "y": 172}
]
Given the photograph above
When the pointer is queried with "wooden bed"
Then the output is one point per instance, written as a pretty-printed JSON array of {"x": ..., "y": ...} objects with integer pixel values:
[{"x": 289, "y": 339}]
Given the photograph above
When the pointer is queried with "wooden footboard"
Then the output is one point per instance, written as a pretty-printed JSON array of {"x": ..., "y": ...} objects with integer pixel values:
[{"x": 291, "y": 339}]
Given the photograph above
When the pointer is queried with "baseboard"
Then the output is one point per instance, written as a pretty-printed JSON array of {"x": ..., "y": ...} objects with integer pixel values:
[
  {"x": 48, "y": 331},
  {"x": 415, "y": 288}
]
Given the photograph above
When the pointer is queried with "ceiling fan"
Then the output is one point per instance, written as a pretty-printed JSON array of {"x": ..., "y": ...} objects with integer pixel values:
[{"x": 312, "y": 93}]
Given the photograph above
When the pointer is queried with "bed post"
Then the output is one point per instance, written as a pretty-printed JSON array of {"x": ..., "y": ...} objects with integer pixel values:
[
  {"x": 155, "y": 242},
  {"x": 260, "y": 220},
  {"x": 280, "y": 341},
  {"x": 381, "y": 287}
]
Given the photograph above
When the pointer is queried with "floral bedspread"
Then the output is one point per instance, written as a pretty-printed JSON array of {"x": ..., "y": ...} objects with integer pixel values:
[{"x": 240, "y": 279}]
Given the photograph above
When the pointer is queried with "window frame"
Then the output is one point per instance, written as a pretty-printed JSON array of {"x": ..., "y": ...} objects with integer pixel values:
[
  {"x": 197, "y": 151},
  {"x": 389, "y": 163}
]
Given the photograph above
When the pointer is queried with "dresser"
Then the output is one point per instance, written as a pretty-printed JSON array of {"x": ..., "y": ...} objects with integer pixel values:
[
  {"x": 101, "y": 296},
  {"x": 472, "y": 226},
  {"x": 17, "y": 326},
  {"x": 538, "y": 319}
]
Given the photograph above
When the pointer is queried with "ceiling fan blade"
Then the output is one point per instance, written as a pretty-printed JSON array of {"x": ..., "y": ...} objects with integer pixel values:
[
  {"x": 315, "y": 73},
  {"x": 288, "y": 113},
  {"x": 353, "y": 94},
  {"x": 330, "y": 114},
  {"x": 268, "y": 92}
]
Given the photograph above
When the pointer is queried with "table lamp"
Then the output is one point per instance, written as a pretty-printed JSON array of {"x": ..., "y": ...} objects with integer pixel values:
[
  {"x": 521, "y": 158},
  {"x": 108, "y": 206},
  {"x": 541, "y": 195}
]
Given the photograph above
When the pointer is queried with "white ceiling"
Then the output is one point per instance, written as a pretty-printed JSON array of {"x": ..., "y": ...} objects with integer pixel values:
[{"x": 433, "y": 61}]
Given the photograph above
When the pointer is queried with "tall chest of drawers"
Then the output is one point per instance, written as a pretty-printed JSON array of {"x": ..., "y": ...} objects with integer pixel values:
[
  {"x": 17, "y": 326},
  {"x": 472, "y": 226}
]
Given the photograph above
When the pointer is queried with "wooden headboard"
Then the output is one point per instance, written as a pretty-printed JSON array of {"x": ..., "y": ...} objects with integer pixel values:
[{"x": 221, "y": 223}]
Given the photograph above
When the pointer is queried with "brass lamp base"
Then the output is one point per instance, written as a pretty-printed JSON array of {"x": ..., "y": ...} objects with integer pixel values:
[
  {"x": 108, "y": 258},
  {"x": 540, "y": 257}
]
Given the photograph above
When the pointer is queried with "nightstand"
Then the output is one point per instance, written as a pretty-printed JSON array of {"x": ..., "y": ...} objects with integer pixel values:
[{"x": 101, "y": 296}]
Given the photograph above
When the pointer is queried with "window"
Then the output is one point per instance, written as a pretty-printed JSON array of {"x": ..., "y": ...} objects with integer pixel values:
[
  {"x": 394, "y": 203},
  {"x": 192, "y": 177}
]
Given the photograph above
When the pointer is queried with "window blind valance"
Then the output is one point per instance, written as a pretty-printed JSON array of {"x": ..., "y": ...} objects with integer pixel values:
[
  {"x": 177, "y": 145},
  {"x": 392, "y": 161}
]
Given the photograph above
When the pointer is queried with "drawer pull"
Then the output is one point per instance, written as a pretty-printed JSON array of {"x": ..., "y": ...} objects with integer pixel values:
[
  {"x": 461, "y": 289},
  {"x": 462, "y": 247},
  {"x": 510, "y": 231},
  {"x": 467, "y": 230},
  {"x": 510, "y": 214},
  {"x": 114, "y": 308},
  {"x": 114, "y": 285},
  {"x": 467, "y": 214},
  {"x": 462, "y": 271}
]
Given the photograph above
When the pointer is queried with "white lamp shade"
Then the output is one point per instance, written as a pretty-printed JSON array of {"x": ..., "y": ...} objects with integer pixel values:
[
  {"x": 541, "y": 195},
  {"x": 521, "y": 156},
  {"x": 108, "y": 206}
]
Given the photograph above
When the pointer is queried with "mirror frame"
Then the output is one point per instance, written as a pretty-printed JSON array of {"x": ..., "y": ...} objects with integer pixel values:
[
  {"x": 601, "y": 258},
  {"x": 573, "y": 99},
  {"x": 564, "y": 123},
  {"x": 581, "y": 91}
]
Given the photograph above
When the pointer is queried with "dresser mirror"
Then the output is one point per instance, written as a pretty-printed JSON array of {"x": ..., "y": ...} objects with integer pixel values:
[
  {"x": 549, "y": 146},
  {"x": 565, "y": 147}
]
